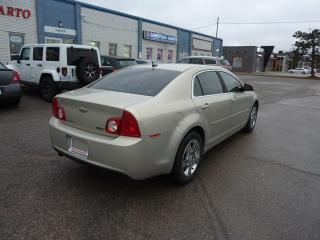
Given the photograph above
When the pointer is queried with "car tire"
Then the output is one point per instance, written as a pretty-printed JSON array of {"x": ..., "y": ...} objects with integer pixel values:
[
  {"x": 48, "y": 88},
  {"x": 88, "y": 71},
  {"x": 188, "y": 158},
  {"x": 15, "y": 101},
  {"x": 303, "y": 73},
  {"x": 252, "y": 119}
]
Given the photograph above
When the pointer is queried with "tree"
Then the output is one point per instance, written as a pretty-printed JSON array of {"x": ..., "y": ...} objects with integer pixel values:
[{"x": 308, "y": 43}]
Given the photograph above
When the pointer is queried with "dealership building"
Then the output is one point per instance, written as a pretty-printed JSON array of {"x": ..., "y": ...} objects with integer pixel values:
[{"x": 114, "y": 33}]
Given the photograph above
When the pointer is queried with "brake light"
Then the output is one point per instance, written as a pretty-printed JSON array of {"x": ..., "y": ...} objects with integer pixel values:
[
  {"x": 64, "y": 71},
  {"x": 15, "y": 77},
  {"x": 127, "y": 125},
  {"x": 57, "y": 110}
]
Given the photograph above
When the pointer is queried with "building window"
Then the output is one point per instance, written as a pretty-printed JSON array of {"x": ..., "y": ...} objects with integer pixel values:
[
  {"x": 237, "y": 62},
  {"x": 160, "y": 55},
  {"x": 68, "y": 41},
  {"x": 16, "y": 41},
  {"x": 94, "y": 44},
  {"x": 53, "y": 54},
  {"x": 149, "y": 53},
  {"x": 170, "y": 56},
  {"x": 112, "y": 49},
  {"x": 127, "y": 51}
]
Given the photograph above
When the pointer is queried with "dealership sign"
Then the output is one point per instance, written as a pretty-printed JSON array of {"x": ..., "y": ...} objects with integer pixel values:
[
  {"x": 160, "y": 37},
  {"x": 15, "y": 12},
  {"x": 65, "y": 31}
]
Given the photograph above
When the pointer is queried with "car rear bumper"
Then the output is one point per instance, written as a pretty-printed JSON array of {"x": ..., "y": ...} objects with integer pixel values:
[
  {"x": 137, "y": 158},
  {"x": 8, "y": 92}
]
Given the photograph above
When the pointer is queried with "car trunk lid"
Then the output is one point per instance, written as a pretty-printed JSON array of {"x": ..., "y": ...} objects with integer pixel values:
[{"x": 89, "y": 109}]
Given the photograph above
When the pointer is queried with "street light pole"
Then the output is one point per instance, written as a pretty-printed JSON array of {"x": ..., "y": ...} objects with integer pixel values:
[{"x": 217, "y": 28}]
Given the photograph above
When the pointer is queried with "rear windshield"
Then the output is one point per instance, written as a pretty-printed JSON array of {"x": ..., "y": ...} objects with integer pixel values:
[
  {"x": 142, "y": 81},
  {"x": 75, "y": 55},
  {"x": 127, "y": 62}
]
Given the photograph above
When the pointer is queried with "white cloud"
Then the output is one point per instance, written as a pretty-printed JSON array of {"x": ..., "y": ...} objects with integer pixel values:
[{"x": 190, "y": 14}]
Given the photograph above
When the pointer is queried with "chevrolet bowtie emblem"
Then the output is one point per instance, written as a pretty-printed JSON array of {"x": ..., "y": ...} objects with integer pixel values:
[{"x": 83, "y": 109}]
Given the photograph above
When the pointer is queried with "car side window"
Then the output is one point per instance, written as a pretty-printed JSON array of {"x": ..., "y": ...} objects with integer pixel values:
[
  {"x": 53, "y": 54},
  {"x": 207, "y": 83},
  {"x": 232, "y": 84},
  {"x": 195, "y": 61},
  {"x": 37, "y": 53},
  {"x": 25, "y": 54},
  {"x": 184, "y": 61},
  {"x": 210, "y": 61}
]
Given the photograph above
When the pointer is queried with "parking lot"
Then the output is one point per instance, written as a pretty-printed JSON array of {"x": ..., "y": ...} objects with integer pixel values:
[{"x": 264, "y": 185}]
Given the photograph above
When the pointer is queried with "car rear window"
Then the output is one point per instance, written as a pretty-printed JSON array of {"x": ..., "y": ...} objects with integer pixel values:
[
  {"x": 76, "y": 55},
  {"x": 142, "y": 81},
  {"x": 127, "y": 62}
]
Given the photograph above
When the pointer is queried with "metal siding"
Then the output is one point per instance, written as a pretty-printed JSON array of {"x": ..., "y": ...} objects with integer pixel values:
[
  {"x": 61, "y": 11},
  {"x": 183, "y": 44}
]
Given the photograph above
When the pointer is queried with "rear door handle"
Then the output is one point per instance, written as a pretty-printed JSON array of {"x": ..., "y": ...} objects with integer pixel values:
[
  {"x": 39, "y": 65},
  {"x": 28, "y": 64},
  {"x": 205, "y": 106}
]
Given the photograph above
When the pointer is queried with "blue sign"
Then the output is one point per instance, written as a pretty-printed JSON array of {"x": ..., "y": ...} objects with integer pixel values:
[{"x": 160, "y": 37}]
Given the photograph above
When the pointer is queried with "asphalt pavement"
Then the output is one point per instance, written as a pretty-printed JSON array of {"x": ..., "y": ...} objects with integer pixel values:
[{"x": 263, "y": 185}]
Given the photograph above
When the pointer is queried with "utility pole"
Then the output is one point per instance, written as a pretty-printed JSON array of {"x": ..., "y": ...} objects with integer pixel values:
[{"x": 217, "y": 28}]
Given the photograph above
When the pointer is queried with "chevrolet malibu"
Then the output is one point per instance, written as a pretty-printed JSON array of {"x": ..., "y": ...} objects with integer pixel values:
[{"x": 148, "y": 120}]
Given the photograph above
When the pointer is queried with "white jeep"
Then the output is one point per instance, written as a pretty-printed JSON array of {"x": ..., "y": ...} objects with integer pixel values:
[{"x": 56, "y": 67}]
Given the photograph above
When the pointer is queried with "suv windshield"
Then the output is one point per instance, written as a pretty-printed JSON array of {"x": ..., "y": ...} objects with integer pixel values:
[
  {"x": 142, "y": 81},
  {"x": 75, "y": 55}
]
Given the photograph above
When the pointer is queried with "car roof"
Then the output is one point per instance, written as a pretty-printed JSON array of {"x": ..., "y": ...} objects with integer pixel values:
[
  {"x": 180, "y": 67},
  {"x": 117, "y": 57},
  {"x": 59, "y": 45},
  {"x": 209, "y": 57}
]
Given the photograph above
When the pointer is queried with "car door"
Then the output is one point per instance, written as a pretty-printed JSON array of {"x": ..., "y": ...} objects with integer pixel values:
[
  {"x": 24, "y": 64},
  {"x": 36, "y": 64},
  {"x": 241, "y": 100},
  {"x": 213, "y": 103}
]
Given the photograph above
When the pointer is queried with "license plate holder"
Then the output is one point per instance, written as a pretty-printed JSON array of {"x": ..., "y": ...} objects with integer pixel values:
[{"x": 78, "y": 146}]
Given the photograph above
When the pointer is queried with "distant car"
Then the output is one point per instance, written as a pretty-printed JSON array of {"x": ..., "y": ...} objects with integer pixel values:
[
  {"x": 207, "y": 60},
  {"x": 141, "y": 61},
  {"x": 145, "y": 121},
  {"x": 110, "y": 64},
  {"x": 305, "y": 70},
  {"x": 10, "y": 90},
  {"x": 56, "y": 67}
]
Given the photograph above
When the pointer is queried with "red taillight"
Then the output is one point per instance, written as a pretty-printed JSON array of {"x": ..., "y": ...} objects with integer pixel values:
[
  {"x": 15, "y": 77},
  {"x": 127, "y": 125},
  {"x": 57, "y": 110},
  {"x": 64, "y": 71}
]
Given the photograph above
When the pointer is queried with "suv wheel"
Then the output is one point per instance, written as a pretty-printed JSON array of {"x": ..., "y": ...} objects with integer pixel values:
[
  {"x": 88, "y": 71},
  {"x": 48, "y": 88}
]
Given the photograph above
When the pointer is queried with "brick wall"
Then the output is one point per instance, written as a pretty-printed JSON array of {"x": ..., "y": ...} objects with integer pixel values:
[{"x": 8, "y": 24}]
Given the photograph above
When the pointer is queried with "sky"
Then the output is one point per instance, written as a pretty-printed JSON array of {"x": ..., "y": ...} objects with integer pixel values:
[{"x": 191, "y": 14}]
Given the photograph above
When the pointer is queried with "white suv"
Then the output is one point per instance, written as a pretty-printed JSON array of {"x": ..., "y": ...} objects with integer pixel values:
[{"x": 56, "y": 67}]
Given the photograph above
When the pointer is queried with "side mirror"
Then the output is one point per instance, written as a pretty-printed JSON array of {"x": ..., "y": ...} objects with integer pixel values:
[
  {"x": 247, "y": 87},
  {"x": 18, "y": 59}
]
